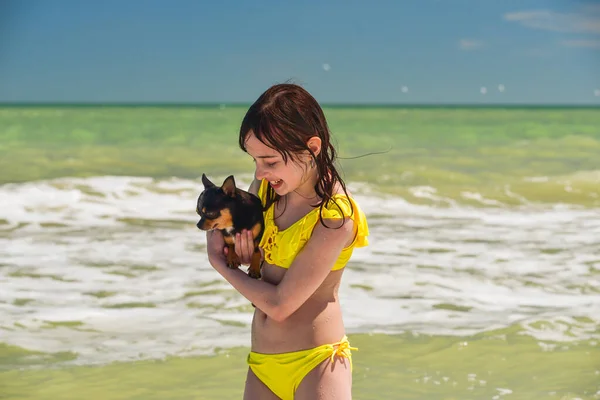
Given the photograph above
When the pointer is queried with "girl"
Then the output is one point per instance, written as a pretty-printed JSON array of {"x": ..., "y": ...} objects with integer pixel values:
[{"x": 299, "y": 349}]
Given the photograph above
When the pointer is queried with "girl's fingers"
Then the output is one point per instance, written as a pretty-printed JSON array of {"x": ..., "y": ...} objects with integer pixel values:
[
  {"x": 249, "y": 246},
  {"x": 244, "y": 246},
  {"x": 238, "y": 246}
]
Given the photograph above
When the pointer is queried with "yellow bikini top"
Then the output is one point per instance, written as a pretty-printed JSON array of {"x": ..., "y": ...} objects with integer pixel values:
[{"x": 281, "y": 247}]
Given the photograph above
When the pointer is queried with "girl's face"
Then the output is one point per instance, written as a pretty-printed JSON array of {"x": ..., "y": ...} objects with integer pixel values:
[{"x": 283, "y": 178}]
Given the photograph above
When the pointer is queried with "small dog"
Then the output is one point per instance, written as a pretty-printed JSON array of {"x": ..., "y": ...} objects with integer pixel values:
[{"x": 231, "y": 210}]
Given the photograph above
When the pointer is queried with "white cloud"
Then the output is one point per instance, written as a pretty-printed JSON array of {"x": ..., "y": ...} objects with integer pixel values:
[
  {"x": 470, "y": 44},
  {"x": 586, "y": 21},
  {"x": 592, "y": 44}
]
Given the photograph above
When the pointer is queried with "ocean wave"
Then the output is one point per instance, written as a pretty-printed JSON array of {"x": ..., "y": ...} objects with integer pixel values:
[{"x": 114, "y": 268}]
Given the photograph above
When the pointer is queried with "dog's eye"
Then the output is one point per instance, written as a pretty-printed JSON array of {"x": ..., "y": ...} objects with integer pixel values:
[{"x": 212, "y": 215}]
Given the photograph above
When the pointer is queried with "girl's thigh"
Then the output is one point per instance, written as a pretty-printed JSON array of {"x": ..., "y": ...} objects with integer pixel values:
[
  {"x": 256, "y": 390},
  {"x": 327, "y": 381}
]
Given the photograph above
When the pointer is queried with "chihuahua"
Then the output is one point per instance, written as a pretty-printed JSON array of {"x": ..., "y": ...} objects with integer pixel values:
[{"x": 231, "y": 210}]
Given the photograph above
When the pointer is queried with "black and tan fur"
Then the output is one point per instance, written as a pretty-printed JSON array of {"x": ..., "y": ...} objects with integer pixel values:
[{"x": 231, "y": 210}]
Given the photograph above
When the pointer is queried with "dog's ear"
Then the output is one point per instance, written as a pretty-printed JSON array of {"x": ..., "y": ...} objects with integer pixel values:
[
  {"x": 207, "y": 183},
  {"x": 229, "y": 186}
]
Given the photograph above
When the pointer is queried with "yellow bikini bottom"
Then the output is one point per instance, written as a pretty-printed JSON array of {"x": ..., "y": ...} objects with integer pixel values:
[{"x": 282, "y": 373}]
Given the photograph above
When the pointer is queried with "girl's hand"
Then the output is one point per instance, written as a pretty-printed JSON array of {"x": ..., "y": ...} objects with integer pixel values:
[{"x": 244, "y": 246}]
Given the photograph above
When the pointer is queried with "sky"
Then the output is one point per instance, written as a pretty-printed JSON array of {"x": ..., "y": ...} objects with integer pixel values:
[{"x": 360, "y": 52}]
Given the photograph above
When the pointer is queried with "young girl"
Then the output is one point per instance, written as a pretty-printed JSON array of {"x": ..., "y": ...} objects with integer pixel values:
[{"x": 299, "y": 349}]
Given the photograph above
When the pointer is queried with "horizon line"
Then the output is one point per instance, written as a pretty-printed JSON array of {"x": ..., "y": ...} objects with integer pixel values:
[{"x": 322, "y": 104}]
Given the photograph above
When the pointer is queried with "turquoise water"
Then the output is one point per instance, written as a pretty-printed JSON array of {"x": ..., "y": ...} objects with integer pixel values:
[{"x": 481, "y": 280}]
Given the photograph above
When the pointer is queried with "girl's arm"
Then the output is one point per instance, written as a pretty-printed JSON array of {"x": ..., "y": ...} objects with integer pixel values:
[{"x": 305, "y": 275}]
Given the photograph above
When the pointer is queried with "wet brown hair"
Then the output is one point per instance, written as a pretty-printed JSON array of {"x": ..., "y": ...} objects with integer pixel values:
[{"x": 284, "y": 118}]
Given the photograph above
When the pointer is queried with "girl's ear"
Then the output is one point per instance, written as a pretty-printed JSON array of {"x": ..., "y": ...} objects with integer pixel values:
[{"x": 314, "y": 144}]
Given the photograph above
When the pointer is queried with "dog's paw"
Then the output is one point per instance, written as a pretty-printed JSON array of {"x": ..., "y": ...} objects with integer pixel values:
[
  {"x": 254, "y": 274},
  {"x": 233, "y": 261},
  {"x": 233, "y": 265}
]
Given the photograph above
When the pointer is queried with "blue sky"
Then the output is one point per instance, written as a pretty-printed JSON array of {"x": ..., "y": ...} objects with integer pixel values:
[{"x": 409, "y": 51}]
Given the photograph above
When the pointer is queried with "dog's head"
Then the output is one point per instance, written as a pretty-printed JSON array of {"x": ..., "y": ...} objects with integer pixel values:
[{"x": 216, "y": 204}]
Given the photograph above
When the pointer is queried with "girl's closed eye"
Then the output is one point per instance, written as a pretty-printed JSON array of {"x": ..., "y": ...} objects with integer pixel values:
[{"x": 268, "y": 164}]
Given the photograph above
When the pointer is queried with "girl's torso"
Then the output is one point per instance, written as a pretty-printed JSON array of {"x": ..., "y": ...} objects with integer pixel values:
[{"x": 316, "y": 322}]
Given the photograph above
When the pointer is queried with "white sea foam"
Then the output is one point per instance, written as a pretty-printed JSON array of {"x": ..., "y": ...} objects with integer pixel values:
[{"x": 122, "y": 256}]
